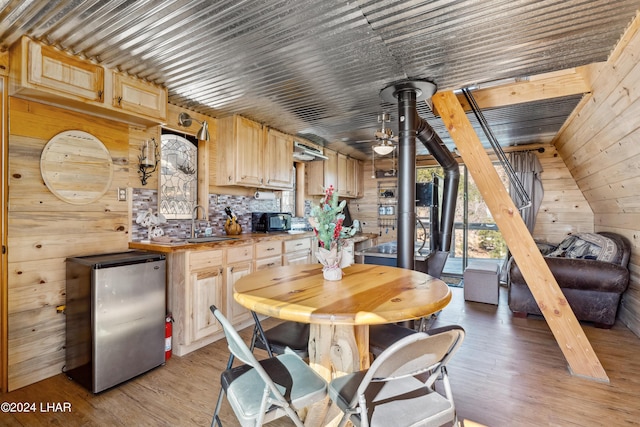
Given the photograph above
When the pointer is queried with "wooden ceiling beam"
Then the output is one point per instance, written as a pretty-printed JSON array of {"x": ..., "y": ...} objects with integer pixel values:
[
  {"x": 563, "y": 324},
  {"x": 535, "y": 88}
]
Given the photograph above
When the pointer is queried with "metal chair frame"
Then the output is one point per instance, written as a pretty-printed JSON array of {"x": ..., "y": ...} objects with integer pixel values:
[
  {"x": 302, "y": 384},
  {"x": 402, "y": 378}
]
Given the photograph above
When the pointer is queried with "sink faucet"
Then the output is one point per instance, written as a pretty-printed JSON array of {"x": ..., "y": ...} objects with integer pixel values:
[{"x": 194, "y": 215}]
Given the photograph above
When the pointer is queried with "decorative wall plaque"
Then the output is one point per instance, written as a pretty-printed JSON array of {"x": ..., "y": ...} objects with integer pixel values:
[{"x": 76, "y": 167}]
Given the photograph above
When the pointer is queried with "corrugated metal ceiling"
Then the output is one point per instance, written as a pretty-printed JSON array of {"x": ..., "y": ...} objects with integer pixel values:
[{"x": 316, "y": 67}]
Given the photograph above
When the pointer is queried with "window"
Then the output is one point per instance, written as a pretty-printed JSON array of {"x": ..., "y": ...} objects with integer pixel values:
[
  {"x": 475, "y": 234},
  {"x": 178, "y": 176}
]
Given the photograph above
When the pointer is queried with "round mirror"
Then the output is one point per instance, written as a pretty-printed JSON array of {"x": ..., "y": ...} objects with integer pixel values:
[{"x": 76, "y": 167}]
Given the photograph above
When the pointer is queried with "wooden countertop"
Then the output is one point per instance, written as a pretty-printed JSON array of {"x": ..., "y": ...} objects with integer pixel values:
[{"x": 241, "y": 239}]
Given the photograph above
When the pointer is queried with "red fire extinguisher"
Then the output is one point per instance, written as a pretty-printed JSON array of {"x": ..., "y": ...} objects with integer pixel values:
[{"x": 168, "y": 329}]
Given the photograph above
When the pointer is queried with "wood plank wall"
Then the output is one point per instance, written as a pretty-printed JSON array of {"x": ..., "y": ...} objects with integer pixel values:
[
  {"x": 43, "y": 231},
  {"x": 600, "y": 144},
  {"x": 564, "y": 209}
]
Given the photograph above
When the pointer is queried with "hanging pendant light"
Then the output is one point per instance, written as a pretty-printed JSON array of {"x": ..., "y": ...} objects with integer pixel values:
[{"x": 385, "y": 136}]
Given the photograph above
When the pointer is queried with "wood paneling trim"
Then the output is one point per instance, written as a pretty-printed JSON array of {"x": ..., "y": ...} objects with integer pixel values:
[
  {"x": 543, "y": 86},
  {"x": 4, "y": 192}
]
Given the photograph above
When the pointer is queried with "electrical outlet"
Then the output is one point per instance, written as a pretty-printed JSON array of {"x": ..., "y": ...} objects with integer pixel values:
[{"x": 122, "y": 194}]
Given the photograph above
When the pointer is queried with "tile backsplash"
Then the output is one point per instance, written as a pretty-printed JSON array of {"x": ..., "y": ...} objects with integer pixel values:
[{"x": 241, "y": 206}]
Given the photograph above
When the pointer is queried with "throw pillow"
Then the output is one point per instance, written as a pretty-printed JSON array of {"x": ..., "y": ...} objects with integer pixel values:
[
  {"x": 545, "y": 248},
  {"x": 586, "y": 246}
]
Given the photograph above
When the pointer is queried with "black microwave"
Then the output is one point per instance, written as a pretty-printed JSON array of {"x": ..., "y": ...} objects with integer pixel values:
[{"x": 265, "y": 222}]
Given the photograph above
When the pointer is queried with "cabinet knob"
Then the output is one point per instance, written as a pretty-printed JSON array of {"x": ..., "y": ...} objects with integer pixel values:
[
  {"x": 100, "y": 93},
  {"x": 119, "y": 99}
]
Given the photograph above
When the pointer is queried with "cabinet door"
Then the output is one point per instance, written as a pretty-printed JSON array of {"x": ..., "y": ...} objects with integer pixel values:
[
  {"x": 278, "y": 160},
  {"x": 331, "y": 169},
  {"x": 315, "y": 178},
  {"x": 139, "y": 97},
  {"x": 207, "y": 290},
  {"x": 359, "y": 176},
  {"x": 55, "y": 70},
  {"x": 342, "y": 175},
  {"x": 351, "y": 177},
  {"x": 235, "y": 312},
  {"x": 249, "y": 158}
]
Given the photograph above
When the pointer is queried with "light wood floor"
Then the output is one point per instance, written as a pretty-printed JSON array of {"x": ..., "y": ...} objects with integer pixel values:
[{"x": 508, "y": 372}]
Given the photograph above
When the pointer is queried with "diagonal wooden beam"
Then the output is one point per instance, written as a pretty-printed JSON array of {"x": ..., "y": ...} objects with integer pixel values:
[
  {"x": 563, "y": 324},
  {"x": 535, "y": 88}
]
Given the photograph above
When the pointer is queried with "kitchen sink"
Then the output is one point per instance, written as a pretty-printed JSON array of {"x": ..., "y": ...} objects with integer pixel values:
[{"x": 210, "y": 239}]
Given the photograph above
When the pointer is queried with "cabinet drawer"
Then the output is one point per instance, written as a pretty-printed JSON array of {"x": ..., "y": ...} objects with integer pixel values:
[
  {"x": 139, "y": 97},
  {"x": 268, "y": 249},
  {"x": 241, "y": 253},
  {"x": 262, "y": 264},
  {"x": 297, "y": 245},
  {"x": 205, "y": 259}
]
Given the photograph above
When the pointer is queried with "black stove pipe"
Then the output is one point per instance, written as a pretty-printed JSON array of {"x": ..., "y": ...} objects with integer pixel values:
[
  {"x": 406, "y": 209},
  {"x": 411, "y": 125},
  {"x": 443, "y": 156}
]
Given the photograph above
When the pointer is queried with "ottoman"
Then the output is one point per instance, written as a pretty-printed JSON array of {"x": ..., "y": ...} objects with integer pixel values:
[{"x": 481, "y": 283}]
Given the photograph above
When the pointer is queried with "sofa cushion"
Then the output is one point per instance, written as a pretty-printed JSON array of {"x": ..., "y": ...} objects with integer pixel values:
[{"x": 587, "y": 246}]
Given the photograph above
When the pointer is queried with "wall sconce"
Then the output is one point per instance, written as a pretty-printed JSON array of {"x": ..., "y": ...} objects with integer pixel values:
[
  {"x": 148, "y": 159},
  {"x": 185, "y": 120}
]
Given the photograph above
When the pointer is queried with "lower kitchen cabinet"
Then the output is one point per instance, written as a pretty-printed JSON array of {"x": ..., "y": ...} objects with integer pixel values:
[
  {"x": 239, "y": 264},
  {"x": 268, "y": 254},
  {"x": 196, "y": 283},
  {"x": 201, "y": 278},
  {"x": 207, "y": 290},
  {"x": 297, "y": 251}
]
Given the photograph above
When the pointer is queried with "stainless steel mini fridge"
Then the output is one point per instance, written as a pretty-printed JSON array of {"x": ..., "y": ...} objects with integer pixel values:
[{"x": 115, "y": 317}]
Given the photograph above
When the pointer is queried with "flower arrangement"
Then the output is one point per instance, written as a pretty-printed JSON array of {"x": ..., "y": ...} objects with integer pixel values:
[{"x": 327, "y": 221}]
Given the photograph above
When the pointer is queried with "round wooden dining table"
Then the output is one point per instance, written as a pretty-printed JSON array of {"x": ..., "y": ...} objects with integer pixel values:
[{"x": 340, "y": 312}]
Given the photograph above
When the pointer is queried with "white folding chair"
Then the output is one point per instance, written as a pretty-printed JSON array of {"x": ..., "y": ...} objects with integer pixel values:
[
  {"x": 399, "y": 388},
  {"x": 261, "y": 391}
]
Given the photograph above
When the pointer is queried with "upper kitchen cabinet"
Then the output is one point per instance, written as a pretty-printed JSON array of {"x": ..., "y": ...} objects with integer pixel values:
[
  {"x": 278, "y": 170},
  {"x": 346, "y": 176},
  {"x": 46, "y": 74},
  {"x": 240, "y": 156},
  {"x": 339, "y": 170},
  {"x": 252, "y": 156},
  {"x": 321, "y": 175},
  {"x": 139, "y": 97}
]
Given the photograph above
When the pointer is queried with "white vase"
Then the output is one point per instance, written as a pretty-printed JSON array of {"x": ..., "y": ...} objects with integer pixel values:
[{"x": 332, "y": 273}]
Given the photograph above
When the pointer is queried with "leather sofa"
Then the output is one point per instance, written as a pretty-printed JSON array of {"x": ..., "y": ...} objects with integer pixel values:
[{"x": 592, "y": 284}]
